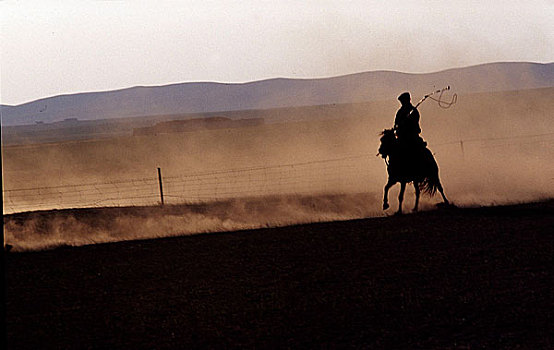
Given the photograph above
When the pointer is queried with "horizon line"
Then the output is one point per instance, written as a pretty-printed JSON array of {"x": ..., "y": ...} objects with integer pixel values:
[{"x": 269, "y": 79}]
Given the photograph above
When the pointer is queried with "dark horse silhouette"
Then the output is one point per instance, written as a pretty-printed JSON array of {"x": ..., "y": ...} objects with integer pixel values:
[{"x": 407, "y": 163}]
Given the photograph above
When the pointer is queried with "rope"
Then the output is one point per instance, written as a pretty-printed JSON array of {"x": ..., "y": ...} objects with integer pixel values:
[
  {"x": 443, "y": 104},
  {"x": 439, "y": 100}
]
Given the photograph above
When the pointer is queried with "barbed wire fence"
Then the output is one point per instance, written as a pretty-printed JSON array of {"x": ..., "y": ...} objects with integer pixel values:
[
  {"x": 320, "y": 176},
  {"x": 544, "y": 139},
  {"x": 325, "y": 176}
]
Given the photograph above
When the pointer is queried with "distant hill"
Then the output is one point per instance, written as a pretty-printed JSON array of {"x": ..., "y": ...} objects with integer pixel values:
[{"x": 205, "y": 97}]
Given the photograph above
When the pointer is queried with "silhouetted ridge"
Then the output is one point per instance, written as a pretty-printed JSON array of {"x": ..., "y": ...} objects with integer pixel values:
[{"x": 203, "y": 97}]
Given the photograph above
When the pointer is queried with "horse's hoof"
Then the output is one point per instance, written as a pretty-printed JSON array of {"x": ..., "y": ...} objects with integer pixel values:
[
  {"x": 446, "y": 205},
  {"x": 385, "y": 206}
]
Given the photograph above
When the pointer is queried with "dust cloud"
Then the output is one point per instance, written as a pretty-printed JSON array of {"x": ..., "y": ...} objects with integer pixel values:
[
  {"x": 303, "y": 165},
  {"x": 50, "y": 229}
]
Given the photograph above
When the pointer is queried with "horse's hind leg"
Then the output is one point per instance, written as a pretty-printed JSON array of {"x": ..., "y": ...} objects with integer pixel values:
[
  {"x": 439, "y": 187},
  {"x": 417, "y": 192},
  {"x": 401, "y": 197},
  {"x": 389, "y": 184}
]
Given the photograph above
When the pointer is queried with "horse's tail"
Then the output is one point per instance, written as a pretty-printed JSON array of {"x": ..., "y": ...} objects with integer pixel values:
[
  {"x": 431, "y": 182},
  {"x": 430, "y": 185}
]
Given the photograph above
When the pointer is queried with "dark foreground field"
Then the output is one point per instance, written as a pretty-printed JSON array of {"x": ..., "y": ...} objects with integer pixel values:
[{"x": 447, "y": 279}]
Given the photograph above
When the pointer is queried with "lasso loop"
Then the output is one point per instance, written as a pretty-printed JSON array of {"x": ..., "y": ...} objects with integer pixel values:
[
  {"x": 444, "y": 104},
  {"x": 440, "y": 102}
]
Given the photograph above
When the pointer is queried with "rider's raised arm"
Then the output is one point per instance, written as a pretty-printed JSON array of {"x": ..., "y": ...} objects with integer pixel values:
[{"x": 414, "y": 115}]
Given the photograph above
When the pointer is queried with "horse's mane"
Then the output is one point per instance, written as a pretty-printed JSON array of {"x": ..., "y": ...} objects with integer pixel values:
[{"x": 385, "y": 149}]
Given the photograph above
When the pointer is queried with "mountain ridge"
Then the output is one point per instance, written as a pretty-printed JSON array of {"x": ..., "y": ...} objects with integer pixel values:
[{"x": 203, "y": 97}]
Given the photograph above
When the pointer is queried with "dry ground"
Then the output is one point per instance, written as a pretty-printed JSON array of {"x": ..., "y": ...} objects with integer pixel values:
[{"x": 446, "y": 279}]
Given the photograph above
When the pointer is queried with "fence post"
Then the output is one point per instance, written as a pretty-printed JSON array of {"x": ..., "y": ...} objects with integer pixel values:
[{"x": 161, "y": 187}]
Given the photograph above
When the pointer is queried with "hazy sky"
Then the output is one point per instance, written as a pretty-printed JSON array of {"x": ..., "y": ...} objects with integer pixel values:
[{"x": 55, "y": 47}]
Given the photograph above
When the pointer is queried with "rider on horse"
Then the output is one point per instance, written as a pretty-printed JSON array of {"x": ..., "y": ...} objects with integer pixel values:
[
  {"x": 409, "y": 159},
  {"x": 406, "y": 124}
]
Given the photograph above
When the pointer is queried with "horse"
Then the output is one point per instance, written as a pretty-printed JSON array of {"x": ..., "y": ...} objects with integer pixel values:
[{"x": 408, "y": 163}]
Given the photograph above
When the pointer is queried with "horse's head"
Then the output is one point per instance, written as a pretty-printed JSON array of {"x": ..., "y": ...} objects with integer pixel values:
[{"x": 388, "y": 142}]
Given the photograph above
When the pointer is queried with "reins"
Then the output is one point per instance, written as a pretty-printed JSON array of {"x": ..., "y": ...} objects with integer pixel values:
[{"x": 384, "y": 158}]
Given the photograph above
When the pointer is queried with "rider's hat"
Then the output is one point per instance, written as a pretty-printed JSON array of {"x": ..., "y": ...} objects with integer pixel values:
[{"x": 405, "y": 96}]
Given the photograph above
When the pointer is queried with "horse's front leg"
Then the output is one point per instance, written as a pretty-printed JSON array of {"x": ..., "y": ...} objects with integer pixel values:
[
  {"x": 416, "y": 188},
  {"x": 389, "y": 184},
  {"x": 401, "y": 197}
]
